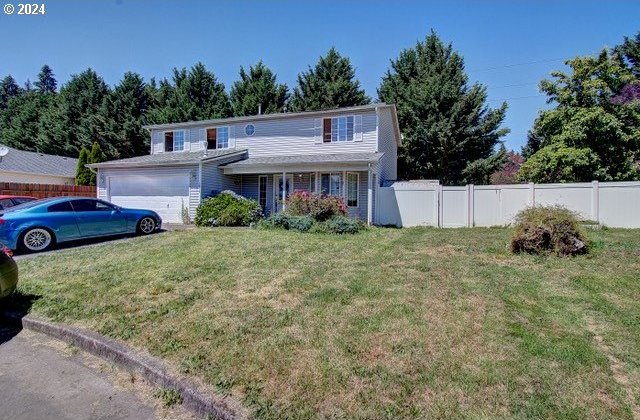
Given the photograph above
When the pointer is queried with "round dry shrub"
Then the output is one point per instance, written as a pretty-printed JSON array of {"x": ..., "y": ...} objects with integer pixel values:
[{"x": 548, "y": 230}]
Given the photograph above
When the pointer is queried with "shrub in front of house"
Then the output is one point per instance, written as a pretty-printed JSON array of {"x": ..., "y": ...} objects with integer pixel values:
[
  {"x": 319, "y": 207},
  {"x": 548, "y": 230},
  {"x": 227, "y": 209},
  {"x": 337, "y": 224}
]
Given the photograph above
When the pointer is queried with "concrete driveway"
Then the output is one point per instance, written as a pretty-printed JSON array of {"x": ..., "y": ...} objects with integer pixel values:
[{"x": 41, "y": 378}]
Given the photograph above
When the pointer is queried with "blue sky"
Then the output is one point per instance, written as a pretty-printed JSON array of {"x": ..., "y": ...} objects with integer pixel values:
[{"x": 508, "y": 45}]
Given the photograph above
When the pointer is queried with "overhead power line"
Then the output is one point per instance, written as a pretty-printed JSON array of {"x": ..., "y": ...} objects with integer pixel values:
[
  {"x": 528, "y": 63},
  {"x": 516, "y": 98}
]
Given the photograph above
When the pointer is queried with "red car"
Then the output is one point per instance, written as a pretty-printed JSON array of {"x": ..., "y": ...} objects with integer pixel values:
[{"x": 7, "y": 201}]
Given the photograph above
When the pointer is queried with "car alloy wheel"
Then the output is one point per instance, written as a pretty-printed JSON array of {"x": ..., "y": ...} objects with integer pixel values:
[
  {"x": 37, "y": 239},
  {"x": 147, "y": 225}
]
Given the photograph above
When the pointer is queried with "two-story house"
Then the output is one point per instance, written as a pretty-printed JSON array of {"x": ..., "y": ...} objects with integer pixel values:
[{"x": 348, "y": 152}]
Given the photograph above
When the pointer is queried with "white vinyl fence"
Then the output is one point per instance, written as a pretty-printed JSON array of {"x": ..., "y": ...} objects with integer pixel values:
[{"x": 614, "y": 204}]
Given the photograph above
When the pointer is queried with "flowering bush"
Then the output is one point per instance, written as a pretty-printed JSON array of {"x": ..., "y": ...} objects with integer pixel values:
[{"x": 319, "y": 207}]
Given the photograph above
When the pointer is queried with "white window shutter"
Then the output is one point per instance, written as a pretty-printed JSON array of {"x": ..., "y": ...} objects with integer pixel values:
[
  {"x": 232, "y": 138},
  {"x": 357, "y": 128},
  {"x": 202, "y": 138},
  {"x": 317, "y": 130},
  {"x": 187, "y": 140}
]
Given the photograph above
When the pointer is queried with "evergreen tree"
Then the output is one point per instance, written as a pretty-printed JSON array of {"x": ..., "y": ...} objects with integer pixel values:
[
  {"x": 76, "y": 121},
  {"x": 46, "y": 82},
  {"x": 83, "y": 174},
  {"x": 20, "y": 121},
  {"x": 589, "y": 128},
  {"x": 194, "y": 95},
  {"x": 124, "y": 111},
  {"x": 95, "y": 156},
  {"x": 330, "y": 84},
  {"x": 449, "y": 133},
  {"x": 8, "y": 89},
  {"x": 258, "y": 88}
]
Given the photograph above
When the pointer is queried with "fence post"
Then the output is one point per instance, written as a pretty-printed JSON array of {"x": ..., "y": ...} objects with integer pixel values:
[
  {"x": 595, "y": 201},
  {"x": 470, "y": 215},
  {"x": 439, "y": 201},
  {"x": 532, "y": 194}
]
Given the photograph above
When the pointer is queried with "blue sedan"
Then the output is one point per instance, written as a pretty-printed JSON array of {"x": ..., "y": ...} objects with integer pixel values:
[{"x": 38, "y": 225}]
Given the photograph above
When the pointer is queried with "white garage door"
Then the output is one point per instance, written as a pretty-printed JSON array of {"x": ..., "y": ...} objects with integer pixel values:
[{"x": 165, "y": 194}]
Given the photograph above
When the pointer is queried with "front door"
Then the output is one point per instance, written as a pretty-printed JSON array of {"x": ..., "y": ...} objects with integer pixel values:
[{"x": 277, "y": 190}]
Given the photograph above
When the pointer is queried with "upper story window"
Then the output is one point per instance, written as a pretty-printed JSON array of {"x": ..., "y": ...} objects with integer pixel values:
[
  {"x": 174, "y": 141},
  {"x": 218, "y": 138},
  {"x": 337, "y": 129}
]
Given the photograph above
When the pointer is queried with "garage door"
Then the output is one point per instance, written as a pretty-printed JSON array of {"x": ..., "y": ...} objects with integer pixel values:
[{"x": 164, "y": 194}]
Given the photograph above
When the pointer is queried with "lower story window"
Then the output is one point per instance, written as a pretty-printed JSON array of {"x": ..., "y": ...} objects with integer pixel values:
[
  {"x": 262, "y": 192},
  {"x": 352, "y": 189},
  {"x": 331, "y": 184}
]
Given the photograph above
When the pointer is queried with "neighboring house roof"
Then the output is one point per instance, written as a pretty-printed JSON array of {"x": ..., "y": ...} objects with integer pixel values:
[
  {"x": 307, "y": 159},
  {"x": 169, "y": 159},
  {"x": 38, "y": 163},
  {"x": 281, "y": 115}
]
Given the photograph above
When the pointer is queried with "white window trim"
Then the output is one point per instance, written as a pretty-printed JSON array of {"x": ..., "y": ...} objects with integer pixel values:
[
  {"x": 353, "y": 134},
  {"x": 164, "y": 140},
  {"x": 342, "y": 181},
  {"x": 346, "y": 190},
  {"x": 228, "y": 127}
]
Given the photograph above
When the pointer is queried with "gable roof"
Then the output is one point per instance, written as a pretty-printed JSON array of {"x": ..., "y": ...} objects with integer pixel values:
[
  {"x": 169, "y": 158},
  {"x": 282, "y": 115},
  {"x": 38, "y": 163}
]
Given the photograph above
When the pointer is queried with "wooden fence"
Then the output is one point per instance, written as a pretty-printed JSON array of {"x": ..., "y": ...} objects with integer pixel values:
[{"x": 46, "y": 190}]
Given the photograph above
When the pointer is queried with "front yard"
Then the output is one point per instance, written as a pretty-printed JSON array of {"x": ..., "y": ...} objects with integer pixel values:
[{"x": 388, "y": 323}]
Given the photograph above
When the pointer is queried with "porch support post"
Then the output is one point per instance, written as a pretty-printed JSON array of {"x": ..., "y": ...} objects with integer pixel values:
[
  {"x": 344, "y": 187},
  {"x": 317, "y": 179},
  {"x": 284, "y": 189},
  {"x": 369, "y": 197}
]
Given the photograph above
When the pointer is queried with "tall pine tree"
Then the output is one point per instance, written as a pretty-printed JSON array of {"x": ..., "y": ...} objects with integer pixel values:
[
  {"x": 46, "y": 82},
  {"x": 330, "y": 84},
  {"x": 76, "y": 121},
  {"x": 124, "y": 111},
  {"x": 449, "y": 133},
  {"x": 8, "y": 89},
  {"x": 194, "y": 95},
  {"x": 258, "y": 89}
]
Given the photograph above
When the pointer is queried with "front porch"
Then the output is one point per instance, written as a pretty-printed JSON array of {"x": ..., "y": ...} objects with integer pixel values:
[{"x": 354, "y": 181}]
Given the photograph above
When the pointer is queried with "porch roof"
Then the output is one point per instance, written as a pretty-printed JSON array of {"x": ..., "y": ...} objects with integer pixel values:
[{"x": 301, "y": 163}]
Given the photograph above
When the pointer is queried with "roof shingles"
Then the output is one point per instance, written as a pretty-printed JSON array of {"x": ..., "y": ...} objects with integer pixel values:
[{"x": 38, "y": 163}]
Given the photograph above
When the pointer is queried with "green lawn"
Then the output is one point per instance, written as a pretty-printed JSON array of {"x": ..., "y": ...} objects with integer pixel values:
[{"x": 388, "y": 323}]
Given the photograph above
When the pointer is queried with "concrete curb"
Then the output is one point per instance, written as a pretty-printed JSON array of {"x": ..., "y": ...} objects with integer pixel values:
[{"x": 148, "y": 367}]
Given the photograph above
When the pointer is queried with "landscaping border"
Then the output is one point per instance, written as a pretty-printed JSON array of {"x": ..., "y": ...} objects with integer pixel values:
[{"x": 152, "y": 369}]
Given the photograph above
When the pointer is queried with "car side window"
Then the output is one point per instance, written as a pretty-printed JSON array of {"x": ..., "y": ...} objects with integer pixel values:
[
  {"x": 102, "y": 206},
  {"x": 84, "y": 205},
  {"x": 23, "y": 200},
  {"x": 5, "y": 202},
  {"x": 59, "y": 207}
]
